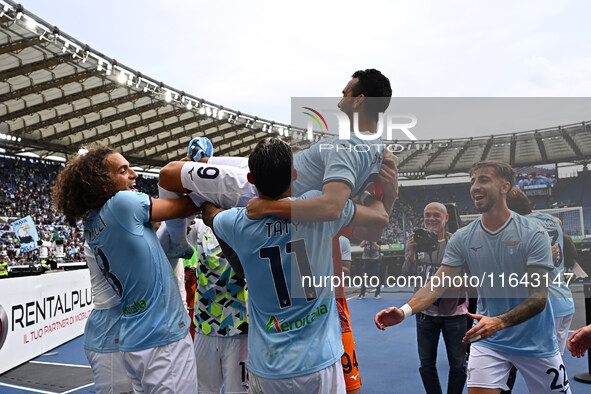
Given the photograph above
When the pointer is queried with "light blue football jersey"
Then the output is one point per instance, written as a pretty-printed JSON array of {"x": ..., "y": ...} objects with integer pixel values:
[
  {"x": 559, "y": 295},
  {"x": 294, "y": 326},
  {"x": 355, "y": 162},
  {"x": 494, "y": 258},
  {"x": 131, "y": 258},
  {"x": 101, "y": 333}
]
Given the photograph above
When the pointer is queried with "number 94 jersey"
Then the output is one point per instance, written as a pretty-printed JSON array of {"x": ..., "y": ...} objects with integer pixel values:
[{"x": 294, "y": 325}]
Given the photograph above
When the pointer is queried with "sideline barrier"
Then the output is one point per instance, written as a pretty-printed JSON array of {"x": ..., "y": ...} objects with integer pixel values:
[{"x": 39, "y": 313}]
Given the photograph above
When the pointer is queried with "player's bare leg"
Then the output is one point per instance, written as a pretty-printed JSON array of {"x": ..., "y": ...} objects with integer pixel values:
[
  {"x": 171, "y": 186},
  {"x": 170, "y": 177}
]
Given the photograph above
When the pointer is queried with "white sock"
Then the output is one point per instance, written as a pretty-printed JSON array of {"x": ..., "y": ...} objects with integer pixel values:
[{"x": 177, "y": 228}]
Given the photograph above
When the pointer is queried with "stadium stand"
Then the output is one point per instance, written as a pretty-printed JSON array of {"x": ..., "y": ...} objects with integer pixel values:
[{"x": 25, "y": 189}]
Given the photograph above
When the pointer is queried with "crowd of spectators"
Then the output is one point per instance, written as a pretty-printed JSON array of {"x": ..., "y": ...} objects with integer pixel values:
[{"x": 25, "y": 189}]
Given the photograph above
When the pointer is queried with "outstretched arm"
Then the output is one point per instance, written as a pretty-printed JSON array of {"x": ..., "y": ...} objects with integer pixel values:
[
  {"x": 327, "y": 207},
  {"x": 330, "y": 204},
  {"x": 166, "y": 208},
  {"x": 422, "y": 299}
]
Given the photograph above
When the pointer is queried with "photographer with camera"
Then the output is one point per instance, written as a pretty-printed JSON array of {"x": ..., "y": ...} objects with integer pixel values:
[{"x": 423, "y": 255}]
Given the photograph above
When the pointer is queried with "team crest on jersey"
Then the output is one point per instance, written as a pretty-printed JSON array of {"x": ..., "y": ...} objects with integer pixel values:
[{"x": 511, "y": 245}]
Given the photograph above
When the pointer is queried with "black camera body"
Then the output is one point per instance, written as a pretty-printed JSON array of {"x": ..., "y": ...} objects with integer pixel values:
[{"x": 426, "y": 240}]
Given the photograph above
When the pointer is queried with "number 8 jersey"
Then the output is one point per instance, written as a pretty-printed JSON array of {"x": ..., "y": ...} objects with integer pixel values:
[
  {"x": 294, "y": 326},
  {"x": 130, "y": 257}
]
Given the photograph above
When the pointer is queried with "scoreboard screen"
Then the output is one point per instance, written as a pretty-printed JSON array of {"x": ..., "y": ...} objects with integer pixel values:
[{"x": 538, "y": 180}]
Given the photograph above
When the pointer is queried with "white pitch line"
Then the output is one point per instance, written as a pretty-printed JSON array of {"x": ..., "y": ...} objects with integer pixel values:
[
  {"x": 61, "y": 364},
  {"x": 26, "y": 388},
  {"x": 78, "y": 388}
]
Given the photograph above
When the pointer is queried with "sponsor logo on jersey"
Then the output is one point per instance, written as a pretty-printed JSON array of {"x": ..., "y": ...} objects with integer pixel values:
[
  {"x": 281, "y": 326},
  {"x": 135, "y": 307},
  {"x": 273, "y": 322}
]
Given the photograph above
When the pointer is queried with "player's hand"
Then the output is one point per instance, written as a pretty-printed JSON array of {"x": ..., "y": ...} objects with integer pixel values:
[
  {"x": 388, "y": 177},
  {"x": 255, "y": 209},
  {"x": 388, "y": 317},
  {"x": 579, "y": 341},
  {"x": 485, "y": 328},
  {"x": 555, "y": 252}
]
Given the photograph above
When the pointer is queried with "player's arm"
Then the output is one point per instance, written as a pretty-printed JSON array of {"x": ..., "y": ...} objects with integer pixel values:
[
  {"x": 423, "y": 298},
  {"x": 372, "y": 218},
  {"x": 166, "y": 208},
  {"x": 326, "y": 207},
  {"x": 388, "y": 178},
  {"x": 570, "y": 252},
  {"x": 526, "y": 309},
  {"x": 208, "y": 214},
  {"x": 330, "y": 204}
]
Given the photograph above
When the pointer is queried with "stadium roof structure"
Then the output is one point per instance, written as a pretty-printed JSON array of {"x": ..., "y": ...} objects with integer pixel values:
[
  {"x": 560, "y": 144},
  {"x": 58, "y": 95}
]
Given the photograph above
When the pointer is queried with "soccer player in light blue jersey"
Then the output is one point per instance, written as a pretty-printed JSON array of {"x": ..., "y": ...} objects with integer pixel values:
[
  {"x": 559, "y": 295},
  {"x": 339, "y": 173},
  {"x": 99, "y": 188},
  {"x": 101, "y": 333},
  {"x": 294, "y": 333},
  {"x": 511, "y": 257}
]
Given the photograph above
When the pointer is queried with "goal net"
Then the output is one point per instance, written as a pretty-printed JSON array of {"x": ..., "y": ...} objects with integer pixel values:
[{"x": 571, "y": 218}]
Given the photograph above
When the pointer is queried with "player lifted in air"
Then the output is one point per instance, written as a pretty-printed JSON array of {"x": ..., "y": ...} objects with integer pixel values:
[
  {"x": 294, "y": 334},
  {"x": 340, "y": 174}
]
